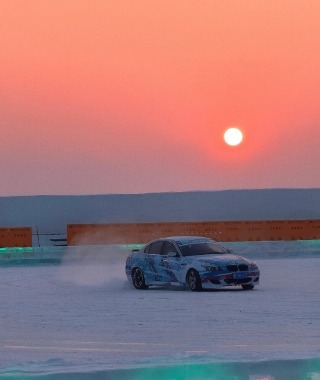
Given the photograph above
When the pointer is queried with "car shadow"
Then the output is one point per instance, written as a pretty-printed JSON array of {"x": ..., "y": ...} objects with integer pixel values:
[{"x": 183, "y": 289}]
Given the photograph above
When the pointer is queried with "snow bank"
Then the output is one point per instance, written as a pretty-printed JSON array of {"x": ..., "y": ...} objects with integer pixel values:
[{"x": 308, "y": 369}]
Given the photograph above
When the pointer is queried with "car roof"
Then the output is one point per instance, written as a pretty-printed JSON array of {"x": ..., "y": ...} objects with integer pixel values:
[{"x": 182, "y": 240}]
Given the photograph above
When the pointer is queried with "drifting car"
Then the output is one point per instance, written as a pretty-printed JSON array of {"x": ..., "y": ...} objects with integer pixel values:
[{"x": 192, "y": 262}]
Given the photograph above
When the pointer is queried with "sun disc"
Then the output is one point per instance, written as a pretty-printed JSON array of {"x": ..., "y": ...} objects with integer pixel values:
[{"x": 233, "y": 136}]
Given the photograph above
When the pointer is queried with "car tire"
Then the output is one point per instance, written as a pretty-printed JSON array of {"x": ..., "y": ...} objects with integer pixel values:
[
  {"x": 247, "y": 287},
  {"x": 194, "y": 281},
  {"x": 138, "y": 279}
]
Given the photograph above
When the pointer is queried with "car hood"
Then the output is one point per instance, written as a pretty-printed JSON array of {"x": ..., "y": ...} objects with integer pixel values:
[{"x": 220, "y": 258}]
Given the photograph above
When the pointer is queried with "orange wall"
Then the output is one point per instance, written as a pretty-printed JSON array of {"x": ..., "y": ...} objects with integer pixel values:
[
  {"x": 16, "y": 237},
  {"x": 81, "y": 234}
]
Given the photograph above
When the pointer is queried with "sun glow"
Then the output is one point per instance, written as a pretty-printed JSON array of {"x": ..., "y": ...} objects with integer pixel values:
[{"x": 233, "y": 136}]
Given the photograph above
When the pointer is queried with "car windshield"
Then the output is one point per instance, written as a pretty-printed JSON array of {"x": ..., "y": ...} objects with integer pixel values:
[{"x": 202, "y": 248}]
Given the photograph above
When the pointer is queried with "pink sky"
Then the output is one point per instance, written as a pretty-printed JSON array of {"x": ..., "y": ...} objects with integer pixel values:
[{"x": 134, "y": 96}]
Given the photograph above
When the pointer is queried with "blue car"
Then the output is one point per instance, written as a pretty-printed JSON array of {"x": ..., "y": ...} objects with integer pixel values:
[{"x": 192, "y": 262}]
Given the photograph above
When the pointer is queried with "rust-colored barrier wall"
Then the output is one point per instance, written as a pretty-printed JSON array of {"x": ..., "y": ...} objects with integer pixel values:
[
  {"x": 136, "y": 233},
  {"x": 16, "y": 237}
]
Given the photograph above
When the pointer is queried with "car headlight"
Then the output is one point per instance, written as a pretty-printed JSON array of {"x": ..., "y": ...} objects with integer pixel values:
[
  {"x": 253, "y": 265},
  {"x": 210, "y": 267}
]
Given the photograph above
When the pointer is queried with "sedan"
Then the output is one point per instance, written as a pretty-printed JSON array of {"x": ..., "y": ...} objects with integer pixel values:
[{"x": 192, "y": 262}]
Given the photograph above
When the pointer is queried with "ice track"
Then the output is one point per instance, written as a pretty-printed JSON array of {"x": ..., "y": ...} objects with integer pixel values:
[{"x": 82, "y": 320}]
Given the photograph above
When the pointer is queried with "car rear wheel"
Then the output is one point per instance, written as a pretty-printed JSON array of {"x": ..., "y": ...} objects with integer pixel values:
[
  {"x": 194, "y": 281},
  {"x": 138, "y": 279},
  {"x": 247, "y": 287}
]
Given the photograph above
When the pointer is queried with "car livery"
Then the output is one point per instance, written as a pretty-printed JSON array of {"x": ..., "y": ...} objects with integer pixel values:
[{"x": 190, "y": 261}]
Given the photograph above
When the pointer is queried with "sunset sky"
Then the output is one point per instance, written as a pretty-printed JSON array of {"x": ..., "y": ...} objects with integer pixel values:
[{"x": 134, "y": 96}]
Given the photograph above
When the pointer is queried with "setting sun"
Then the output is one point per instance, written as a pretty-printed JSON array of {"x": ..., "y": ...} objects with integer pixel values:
[{"x": 233, "y": 136}]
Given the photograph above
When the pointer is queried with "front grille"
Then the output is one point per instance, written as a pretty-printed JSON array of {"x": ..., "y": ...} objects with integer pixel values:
[{"x": 236, "y": 268}]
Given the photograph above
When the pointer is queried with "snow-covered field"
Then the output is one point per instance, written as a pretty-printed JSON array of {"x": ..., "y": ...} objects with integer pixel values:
[{"x": 80, "y": 319}]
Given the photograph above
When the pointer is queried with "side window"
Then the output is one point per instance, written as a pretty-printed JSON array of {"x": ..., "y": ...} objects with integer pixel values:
[
  {"x": 168, "y": 247},
  {"x": 155, "y": 248},
  {"x": 147, "y": 248}
]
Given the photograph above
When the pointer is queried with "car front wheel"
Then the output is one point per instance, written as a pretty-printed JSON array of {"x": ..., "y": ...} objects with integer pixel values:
[
  {"x": 138, "y": 279},
  {"x": 194, "y": 281}
]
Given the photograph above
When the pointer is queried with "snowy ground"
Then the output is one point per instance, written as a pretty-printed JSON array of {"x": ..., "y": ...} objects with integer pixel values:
[{"x": 82, "y": 316}]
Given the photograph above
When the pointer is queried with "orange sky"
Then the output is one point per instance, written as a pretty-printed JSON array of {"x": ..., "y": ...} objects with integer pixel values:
[{"x": 134, "y": 96}]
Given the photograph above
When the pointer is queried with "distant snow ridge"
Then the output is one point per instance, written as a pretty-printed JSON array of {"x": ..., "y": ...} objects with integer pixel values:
[{"x": 53, "y": 213}]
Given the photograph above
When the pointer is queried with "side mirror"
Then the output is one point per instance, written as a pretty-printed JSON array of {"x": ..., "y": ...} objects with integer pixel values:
[{"x": 172, "y": 254}]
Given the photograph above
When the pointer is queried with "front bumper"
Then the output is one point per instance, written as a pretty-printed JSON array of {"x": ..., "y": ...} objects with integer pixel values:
[{"x": 216, "y": 281}]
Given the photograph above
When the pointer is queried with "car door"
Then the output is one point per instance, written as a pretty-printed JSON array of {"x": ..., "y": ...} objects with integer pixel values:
[
  {"x": 154, "y": 261},
  {"x": 170, "y": 263}
]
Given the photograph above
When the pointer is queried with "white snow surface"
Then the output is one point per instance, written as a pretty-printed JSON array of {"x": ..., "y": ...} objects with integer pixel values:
[
  {"x": 83, "y": 316},
  {"x": 80, "y": 319}
]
